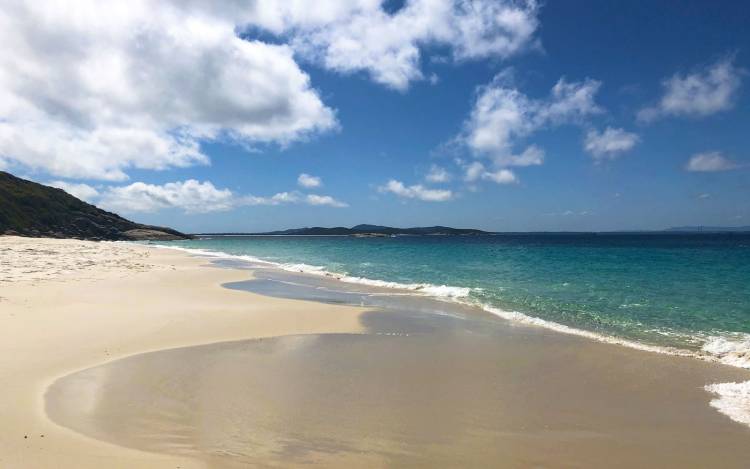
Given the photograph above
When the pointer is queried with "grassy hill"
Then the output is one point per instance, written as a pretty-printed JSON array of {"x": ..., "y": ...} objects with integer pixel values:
[{"x": 31, "y": 209}]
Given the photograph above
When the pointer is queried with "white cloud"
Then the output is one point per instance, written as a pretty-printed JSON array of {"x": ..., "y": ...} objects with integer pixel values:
[
  {"x": 437, "y": 175},
  {"x": 314, "y": 199},
  {"x": 609, "y": 144},
  {"x": 416, "y": 191},
  {"x": 80, "y": 191},
  {"x": 501, "y": 176},
  {"x": 93, "y": 89},
  {"x": 568, "y": 213},
  {"x": 475, "y": 171},
  {"x": 309, "y": 182},
  {"x": 531, "y": 156},
  {"x": 191, "y": 196},
  {"x": 293, "y": 197},
  {"x": 502, "y": 115},
  {"x": 276, "y": 199},
  {"x": 710, "y": 162},
  {"x": 353, "y": 36},
  {"x": 697, "y": 94}
]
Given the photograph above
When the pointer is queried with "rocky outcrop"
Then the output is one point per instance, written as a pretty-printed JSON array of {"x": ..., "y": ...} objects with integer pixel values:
[{"x": 143, "y": 234}]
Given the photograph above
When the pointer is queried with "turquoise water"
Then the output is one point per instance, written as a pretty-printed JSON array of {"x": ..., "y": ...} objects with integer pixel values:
[{"x": 686, "y": 291}]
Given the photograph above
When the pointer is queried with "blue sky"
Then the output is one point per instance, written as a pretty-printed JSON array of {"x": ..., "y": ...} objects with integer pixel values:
[{"x": 581, "y": 115}]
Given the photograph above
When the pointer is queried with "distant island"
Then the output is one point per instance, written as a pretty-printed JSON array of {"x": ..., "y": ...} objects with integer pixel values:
[
  {"x": 365, "y": 231},
  {"x": 709, "y": 229},
  {"x": 31, "y": 209}
]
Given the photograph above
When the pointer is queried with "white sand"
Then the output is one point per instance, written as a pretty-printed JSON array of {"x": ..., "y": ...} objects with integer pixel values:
[{"x": 67, "y": 305}]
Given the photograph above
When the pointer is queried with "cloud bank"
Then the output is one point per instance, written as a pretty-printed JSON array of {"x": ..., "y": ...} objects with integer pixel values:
[
  {"x": 93, "y": 89},
  {"x": 361, "y": 36},
  {"x": 190, "y": 196}
]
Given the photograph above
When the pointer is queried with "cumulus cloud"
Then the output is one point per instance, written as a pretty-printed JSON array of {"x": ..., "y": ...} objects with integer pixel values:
[
  {"x": 701, "y": 93},
  {"x": 81, "y": 191},
  {"x": 531, "y": 156},
  {"x": 501, "y": 176},
  {"x": 416, "y": 191},
  {"x": 190, "y": 196},
  {"x": 476, "y": 171},
  {"x": 710, "y": 162},
  {"x": 473, "y": 171},
  {"x": 314, "y": 199},
  {"x": 437, "y": 175},
  {"x": 92, "y": 90},
  {"x": 360, "y": 35},
  {"x": 293, "y": 197},
  {"x": 610, "y": 143},
  {"x": 502, "y": 115},
  {"x": 309, "y": 182},
  {"x": 276, "y": 199}
]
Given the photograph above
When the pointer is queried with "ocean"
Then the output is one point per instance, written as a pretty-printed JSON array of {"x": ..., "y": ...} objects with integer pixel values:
[{"x": 675, "y": 293}]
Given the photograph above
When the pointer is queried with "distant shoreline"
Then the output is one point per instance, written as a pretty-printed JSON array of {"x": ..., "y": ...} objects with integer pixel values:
[{"x": 505, "y": 233}]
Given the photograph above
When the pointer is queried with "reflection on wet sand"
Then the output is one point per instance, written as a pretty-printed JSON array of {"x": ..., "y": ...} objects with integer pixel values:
[{"x": 418, "y": 390}]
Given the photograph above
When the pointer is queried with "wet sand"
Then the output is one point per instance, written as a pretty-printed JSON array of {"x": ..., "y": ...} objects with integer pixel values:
[
  {"x": 416, "y": 390},
  {"x": 67, "y": 305}
]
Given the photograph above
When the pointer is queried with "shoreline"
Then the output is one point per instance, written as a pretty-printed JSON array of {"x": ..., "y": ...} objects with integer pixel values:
[
  {"x": 53, "y": 299},
  {"x": 719, "y": 349},
  {"x": 159, "y": 301}
]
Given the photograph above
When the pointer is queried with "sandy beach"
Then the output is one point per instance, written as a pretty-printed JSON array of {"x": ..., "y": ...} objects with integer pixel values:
[
  {"x": 67, "y": 305},
  {"x": 121, "y": 355}
]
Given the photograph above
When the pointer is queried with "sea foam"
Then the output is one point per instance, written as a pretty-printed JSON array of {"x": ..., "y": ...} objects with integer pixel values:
[
  {"x": 442, "y": 291},
  {"x": 733, "y": 400},
  {"x": 427, "y": 289},
  {"x": 730, "y": 348}
]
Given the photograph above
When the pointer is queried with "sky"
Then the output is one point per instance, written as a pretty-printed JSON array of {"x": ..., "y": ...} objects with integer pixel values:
[{"x": 256, "y": 115}]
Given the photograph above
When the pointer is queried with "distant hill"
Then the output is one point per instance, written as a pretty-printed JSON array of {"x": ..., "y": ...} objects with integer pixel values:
[
  {"x": 31, "y": 209},
  {"x": 709, "y": 229},
  {"x": 367, "y": 230}
]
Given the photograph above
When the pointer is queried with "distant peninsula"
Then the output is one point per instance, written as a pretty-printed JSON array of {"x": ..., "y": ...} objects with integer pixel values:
[
  {"x": 366, "y": 231},
  {"x": 31, "y": 209},
  {"x": 709, "y": 229}
]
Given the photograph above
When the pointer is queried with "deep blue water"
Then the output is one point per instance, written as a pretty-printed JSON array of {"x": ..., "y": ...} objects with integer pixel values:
[{"x": 688, "y": 291}]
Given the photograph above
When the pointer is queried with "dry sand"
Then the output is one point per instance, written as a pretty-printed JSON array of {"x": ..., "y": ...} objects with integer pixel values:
[{"x": 67, "y": 305}]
